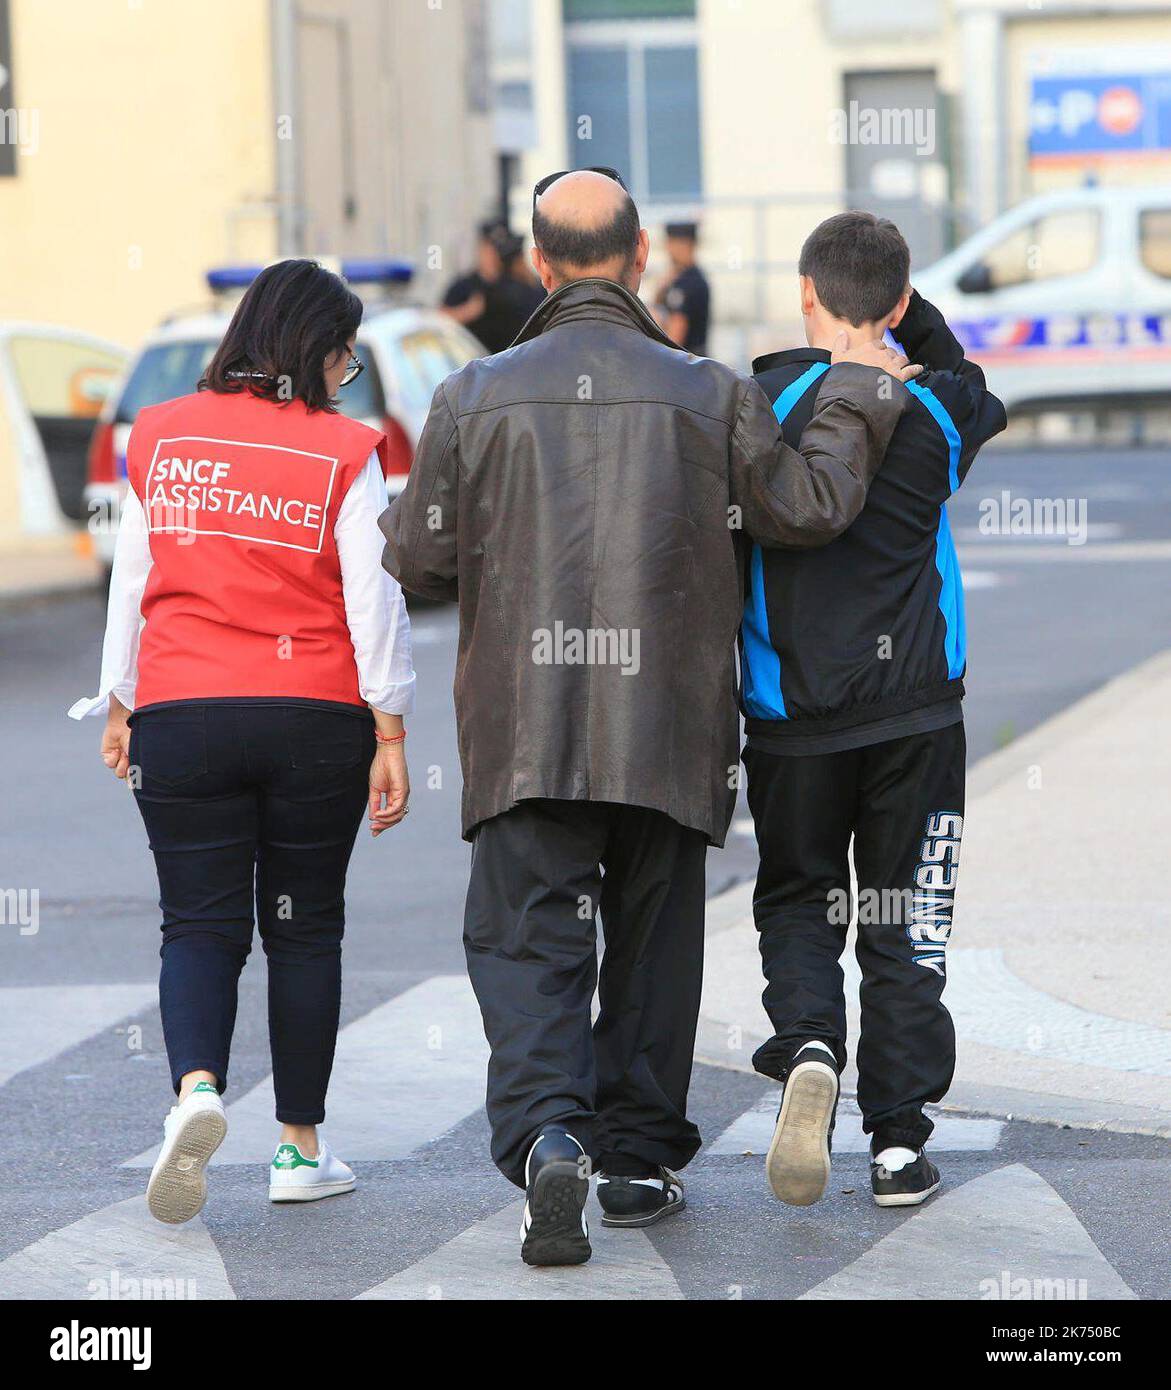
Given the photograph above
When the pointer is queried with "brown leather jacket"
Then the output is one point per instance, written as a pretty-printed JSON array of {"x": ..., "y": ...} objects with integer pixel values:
[{"x": 585, "y": 496}]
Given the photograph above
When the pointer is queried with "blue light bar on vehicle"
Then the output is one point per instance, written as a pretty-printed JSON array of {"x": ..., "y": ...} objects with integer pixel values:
[
  {"x": 378, "y": 271},
  {"x": 368, "y": 270},
  {"x": 232, "y": 277}
]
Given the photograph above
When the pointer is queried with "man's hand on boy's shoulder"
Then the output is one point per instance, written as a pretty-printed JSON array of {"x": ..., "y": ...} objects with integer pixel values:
[{"x": 873, "y": 354}]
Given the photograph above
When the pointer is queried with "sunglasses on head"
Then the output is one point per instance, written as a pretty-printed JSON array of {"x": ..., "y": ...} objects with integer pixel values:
[{"x": 550, "y": 179}]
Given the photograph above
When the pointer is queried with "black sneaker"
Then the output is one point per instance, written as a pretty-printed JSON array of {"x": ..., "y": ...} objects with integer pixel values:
[
  {"x": 554, "y": 1230},
  {"x": 798, "y": 1158},
  {"x": 639, "y": 1201},
  {"x": 903, "y": 1187}
]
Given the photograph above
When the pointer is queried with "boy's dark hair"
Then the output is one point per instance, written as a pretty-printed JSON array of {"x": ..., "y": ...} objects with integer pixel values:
[
  {"x": 859, "y": 264},
  {"x": 581, "y": 247},
  {"x": 294, "y": 316}
]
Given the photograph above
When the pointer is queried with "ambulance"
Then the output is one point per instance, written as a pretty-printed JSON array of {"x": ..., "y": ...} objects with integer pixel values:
[
  {"x": 1065, "y": 301},
  {"x": 407, "y": 351}
]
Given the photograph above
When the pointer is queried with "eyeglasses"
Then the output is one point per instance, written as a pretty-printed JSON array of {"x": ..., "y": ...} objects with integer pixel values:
[
  {"x": 354, "y": 369},
  {"x": 550, "y": 179}
]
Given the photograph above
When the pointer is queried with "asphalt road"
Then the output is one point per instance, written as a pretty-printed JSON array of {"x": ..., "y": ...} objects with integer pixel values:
[{"x": 82, "y": 1075}]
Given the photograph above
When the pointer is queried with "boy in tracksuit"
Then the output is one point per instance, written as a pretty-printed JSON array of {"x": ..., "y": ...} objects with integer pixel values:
[{"x": 853, "y": 664}]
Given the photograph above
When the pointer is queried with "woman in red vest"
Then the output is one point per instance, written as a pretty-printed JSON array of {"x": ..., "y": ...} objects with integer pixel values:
[{"x": 266, "y": 657}]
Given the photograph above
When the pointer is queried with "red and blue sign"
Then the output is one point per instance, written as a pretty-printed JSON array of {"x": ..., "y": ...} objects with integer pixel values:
[{"x": 1102, "y": 113}]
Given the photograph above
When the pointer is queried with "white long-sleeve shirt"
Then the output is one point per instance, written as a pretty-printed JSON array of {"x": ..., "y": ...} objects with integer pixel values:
[{"x": 376, "y": 612}]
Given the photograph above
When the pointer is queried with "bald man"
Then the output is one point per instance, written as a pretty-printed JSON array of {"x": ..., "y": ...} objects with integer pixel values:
[{"x": 584, "y": 496}]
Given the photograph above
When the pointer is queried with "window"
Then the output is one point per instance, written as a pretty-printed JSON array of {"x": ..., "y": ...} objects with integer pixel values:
[
  {"x": 163, "y": 372},
  {"x": 1052, "y": 247},
  {"x": 1154, "y": 236},
  {"x": 633, "y": 94}
]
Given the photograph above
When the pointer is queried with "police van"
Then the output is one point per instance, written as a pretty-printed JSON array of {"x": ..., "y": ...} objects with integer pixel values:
[
  {"x": 1065, "y": 301},
  {"x": 407, "y": 351}
]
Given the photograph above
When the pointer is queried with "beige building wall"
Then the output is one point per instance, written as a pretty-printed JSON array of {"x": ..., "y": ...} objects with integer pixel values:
[
  {"x": 153, "y": 158},
  {"x": 393, "y": 130},
  {"x": 156, "y": 148}
]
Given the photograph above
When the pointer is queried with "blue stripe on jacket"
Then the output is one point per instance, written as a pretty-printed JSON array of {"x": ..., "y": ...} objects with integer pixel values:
[
  {"x": 763, "y": 698},
  {"x": 951, "y": 590}
]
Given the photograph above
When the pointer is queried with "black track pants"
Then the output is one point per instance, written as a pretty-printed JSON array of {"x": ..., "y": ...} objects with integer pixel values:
[
  {"x": 619, "y": 1087},
  {"x": 902, "y": 802}
]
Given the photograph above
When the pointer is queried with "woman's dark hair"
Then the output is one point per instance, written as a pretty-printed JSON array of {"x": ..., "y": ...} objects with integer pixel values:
[{"x": 294, "y": 317}]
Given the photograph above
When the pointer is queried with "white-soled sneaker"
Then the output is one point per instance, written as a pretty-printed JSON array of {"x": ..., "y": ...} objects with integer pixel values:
[
  {"x": 296, "y": 1178},
  {"x": 192, "y": 1132},
  {"x": 798, "y": 1162}
]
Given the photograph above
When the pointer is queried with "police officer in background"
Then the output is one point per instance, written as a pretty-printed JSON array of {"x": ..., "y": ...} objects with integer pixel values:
[
  {"x": 494, "y": 301},
  {"x": 683, "y": 303}
]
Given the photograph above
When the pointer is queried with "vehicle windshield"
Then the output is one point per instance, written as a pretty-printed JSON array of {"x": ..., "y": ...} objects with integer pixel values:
[
  {"x": 163, "y": 372},
  {"x": 168, "y": 370}
]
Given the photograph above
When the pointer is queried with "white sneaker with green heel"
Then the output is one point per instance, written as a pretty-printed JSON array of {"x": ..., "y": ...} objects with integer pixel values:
[
  {"x": 296, "y": 1178},
  {"x": 192, "y": 1132}
]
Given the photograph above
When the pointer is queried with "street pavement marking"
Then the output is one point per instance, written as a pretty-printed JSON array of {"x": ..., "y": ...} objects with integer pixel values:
[
  {"x": 38, "y": 1022},
  {"x": 119, "y": 1252},
  {"x": 1031, "y": 552},
  {"x": 483, "y": 1262},
  {"x": 404, "y": 1074},
  {"x": 1006, "y": 1234},
  {"x": 752, "y": 1133},
  {"x": 981, "y": 579}
]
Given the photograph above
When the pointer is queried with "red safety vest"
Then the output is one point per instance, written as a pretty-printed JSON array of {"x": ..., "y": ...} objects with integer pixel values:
[{"x": 244, "y": 598}]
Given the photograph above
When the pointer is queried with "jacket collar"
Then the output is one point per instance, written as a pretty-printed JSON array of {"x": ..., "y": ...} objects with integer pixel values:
[
  {"x": 785, "y": 359},
  {"x": 598, "y": 300}
]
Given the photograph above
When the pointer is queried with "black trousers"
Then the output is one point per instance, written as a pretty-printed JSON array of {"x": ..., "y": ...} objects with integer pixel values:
[
  {"x": 252, "y": 811},
  {"x": 536, "y": 883},
  {"x": 902, "y": 803}
]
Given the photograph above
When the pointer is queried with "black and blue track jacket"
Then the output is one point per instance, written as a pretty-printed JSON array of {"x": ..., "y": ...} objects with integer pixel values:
[{"x": 863, "y": 639}]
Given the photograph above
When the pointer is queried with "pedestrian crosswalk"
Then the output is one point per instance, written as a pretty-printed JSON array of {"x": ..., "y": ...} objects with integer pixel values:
[
  {"x": 38, "y": 1022},
  {"x": 1006, "y": 1234},
  {"x": 403, "y": 1074},
  {"x": 410, "y": 1072},
  {"x": 118, "y": 1253},
  {"x": 481, "y": 1264}
]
